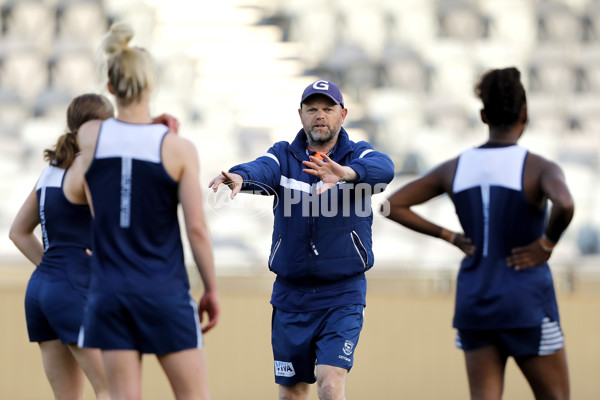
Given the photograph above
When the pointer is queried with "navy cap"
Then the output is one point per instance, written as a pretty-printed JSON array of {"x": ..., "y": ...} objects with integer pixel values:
[{"x": 325, "y": 88}]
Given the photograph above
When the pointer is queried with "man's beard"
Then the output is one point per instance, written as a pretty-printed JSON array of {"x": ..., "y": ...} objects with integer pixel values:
[{"x": 316, "y": 140}]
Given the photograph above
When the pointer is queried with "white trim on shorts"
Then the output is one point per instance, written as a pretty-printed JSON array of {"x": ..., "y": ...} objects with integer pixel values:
[
  {"x": 457, "y": 341},
  {"x": 552, "y": 338},
  {"x": 200, "y": 339}
]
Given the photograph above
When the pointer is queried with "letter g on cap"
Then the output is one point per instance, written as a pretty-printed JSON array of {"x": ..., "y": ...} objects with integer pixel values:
[{"x": 321, "y": 85}]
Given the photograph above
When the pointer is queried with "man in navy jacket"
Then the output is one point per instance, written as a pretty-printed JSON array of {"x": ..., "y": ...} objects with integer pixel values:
[{"x": 322, "y": 242}]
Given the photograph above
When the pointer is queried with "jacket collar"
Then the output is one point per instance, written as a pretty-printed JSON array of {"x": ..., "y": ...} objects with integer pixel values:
[{"x": 340, "y": 150}]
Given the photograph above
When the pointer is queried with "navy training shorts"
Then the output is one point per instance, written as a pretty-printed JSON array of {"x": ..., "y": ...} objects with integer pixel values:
[
  {"x": 154, "y": 324},
  {"x": 301, "y": 340},
  {"x": 525, "y": 342},
  {"x": 53, "y": 308}
]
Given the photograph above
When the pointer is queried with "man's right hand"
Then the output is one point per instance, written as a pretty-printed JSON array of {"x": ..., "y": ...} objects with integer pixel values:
[{"x": 234, "y": 181}]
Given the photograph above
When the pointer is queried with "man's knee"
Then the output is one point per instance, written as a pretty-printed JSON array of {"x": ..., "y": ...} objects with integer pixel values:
[
  {"x": 330, "y": 389},
  {"x": 331, "y": 382}
]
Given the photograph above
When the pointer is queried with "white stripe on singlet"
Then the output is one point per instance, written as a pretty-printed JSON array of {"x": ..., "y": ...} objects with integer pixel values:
[{"x": 51, "y": 177}]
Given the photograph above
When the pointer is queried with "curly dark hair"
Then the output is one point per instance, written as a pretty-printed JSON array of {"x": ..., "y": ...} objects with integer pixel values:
[{"x": 503, "y": 96}]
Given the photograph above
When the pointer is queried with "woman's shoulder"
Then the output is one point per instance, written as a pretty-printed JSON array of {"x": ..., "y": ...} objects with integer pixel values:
[
  {"x": 178, "y": 153},
  {"x": 539, "y": 161},
  {"x": 175, "y": 142},
  {"x": 88, "y": 132}
]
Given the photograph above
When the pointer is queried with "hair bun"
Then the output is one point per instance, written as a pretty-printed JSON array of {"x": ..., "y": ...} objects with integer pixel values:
[{"x": 118, "y": 38}]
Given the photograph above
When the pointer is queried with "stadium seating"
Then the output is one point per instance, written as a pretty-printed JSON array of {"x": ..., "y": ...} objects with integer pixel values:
[{"x": 233, "y": 70}]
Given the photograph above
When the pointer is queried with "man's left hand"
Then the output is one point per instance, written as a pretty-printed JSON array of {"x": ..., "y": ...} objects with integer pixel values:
[{"x": 328, "y": 171}]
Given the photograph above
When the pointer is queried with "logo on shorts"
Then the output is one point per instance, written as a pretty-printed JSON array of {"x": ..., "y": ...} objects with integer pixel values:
[
  {"x": 283, "y": 368},
  {"x": 348, "y": 347}
]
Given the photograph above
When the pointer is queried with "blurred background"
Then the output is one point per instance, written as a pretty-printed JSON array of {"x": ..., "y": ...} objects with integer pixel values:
[{"x": 232, "y": 72}]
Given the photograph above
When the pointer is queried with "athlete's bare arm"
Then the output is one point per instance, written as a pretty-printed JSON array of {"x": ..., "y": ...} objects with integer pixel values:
[
  {"x": 22, "y": 230},
  {"x": 546, "y": 178},
  {"x": 554, "y": 186},
  {"x": 419, "y": 191},
  {"x": 181, "y": 162},
  {"x": 87, "y": 136}
]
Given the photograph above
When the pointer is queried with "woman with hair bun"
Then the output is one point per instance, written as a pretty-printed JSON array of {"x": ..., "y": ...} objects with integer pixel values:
[
  {"x": 56, "y": 292},
  {"x": 137, "y": 173},
  {"x": 505, "y": 300}
]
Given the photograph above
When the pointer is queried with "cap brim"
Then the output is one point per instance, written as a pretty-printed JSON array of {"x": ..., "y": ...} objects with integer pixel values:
[{"x": 321, "y": 94}]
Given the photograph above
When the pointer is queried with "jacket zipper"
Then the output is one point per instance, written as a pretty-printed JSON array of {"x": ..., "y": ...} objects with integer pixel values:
[
  {"x": 354, "y": 237},
  {"x": 314, "y": 248},
  {"x": 274, "y": 251}
]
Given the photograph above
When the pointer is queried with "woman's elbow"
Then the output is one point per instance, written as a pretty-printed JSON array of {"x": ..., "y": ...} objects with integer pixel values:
[
  {"x": 385, "y": 209},
  {"x": 564, "y": 205},
  {"x": 393, "y": 211},
  {"x": 198, "y": 233},
  {"x": 14, "y": 234}
]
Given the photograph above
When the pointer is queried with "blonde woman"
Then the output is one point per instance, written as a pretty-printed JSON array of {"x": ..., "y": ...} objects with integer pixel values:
[{"x": 137, "y": 173}]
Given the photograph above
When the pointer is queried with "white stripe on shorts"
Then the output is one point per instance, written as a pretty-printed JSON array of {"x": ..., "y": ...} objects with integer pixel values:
[
  {"x": 552, "y": 337},
  {"x": 81, "y": 337},
  {"x": 457, "y": 341},
  {"x": 200, "y": 342}
]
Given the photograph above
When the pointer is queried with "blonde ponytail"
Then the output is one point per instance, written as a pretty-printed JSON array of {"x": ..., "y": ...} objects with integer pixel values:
[
  {"x": 131, "y": 70},
  {"x": 118, "y": 38}
]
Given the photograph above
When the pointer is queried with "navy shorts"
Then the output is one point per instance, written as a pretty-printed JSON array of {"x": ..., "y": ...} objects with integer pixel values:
[
  {"x": 53, "y": 308},
  {"x": 301, "y": 340},
  {"x": 526, "y": 342},
  {"x": 155, "y": 324}
]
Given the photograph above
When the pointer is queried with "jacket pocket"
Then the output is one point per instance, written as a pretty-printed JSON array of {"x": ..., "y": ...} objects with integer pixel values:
[
  {"x": 275, "y": 248},
  {"x": 360, "y": 248}
]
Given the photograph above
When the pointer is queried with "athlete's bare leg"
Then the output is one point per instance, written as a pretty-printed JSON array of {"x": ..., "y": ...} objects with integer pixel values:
[
  {"x": 64, "y": 374},
  {"x": 297, "y": 392},
  {"x": 123, "y": 373},
  {"x": 331, "y": 382},
  {"x": 187, "y": 373},
  {"x": 90, "y": 361},
  {"x": 547, "y": 375},
  {"x": 485, "y": 370}
]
